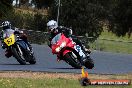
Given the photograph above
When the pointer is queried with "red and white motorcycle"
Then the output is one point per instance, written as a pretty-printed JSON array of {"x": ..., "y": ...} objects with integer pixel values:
[{"x": 67, "y": 50}]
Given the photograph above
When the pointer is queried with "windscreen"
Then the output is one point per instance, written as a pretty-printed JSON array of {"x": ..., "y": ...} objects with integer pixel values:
[
  {"x": 8, "y": 33},
  {"x": 56, "y": 38}
]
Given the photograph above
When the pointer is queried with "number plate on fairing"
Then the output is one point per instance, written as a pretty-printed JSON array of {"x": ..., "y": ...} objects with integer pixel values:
[{"x": 10, "y": 40}]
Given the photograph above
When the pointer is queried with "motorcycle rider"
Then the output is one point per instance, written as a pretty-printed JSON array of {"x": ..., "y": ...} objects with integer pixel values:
[
  {"x": 6, "y": 25},
  {"x": 54, "y": 29}
]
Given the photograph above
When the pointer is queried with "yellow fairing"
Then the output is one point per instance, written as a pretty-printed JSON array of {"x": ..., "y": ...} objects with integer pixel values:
[{"x": 10, "y": 41}]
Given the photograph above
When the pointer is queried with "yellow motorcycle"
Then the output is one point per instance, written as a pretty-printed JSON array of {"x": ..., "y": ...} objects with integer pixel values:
[{"x": 19, "y": 48}]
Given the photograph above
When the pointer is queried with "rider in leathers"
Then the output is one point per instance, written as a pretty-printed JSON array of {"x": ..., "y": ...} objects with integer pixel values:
[
  {"x": 6, "y": 25},
  {"x": 54, "y": 29}
]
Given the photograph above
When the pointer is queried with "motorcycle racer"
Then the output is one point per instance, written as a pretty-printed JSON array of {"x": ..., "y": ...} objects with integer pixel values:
[
  {"x": 54, "y": 29},
  {"x": 6, "y": 25},
  {"x": 66, "y": 49}
]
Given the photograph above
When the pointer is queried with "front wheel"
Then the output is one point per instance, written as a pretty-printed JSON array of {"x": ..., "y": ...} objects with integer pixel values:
[
  {"x": 17, "y": 54},
  {"x": 72, "y": 59}
]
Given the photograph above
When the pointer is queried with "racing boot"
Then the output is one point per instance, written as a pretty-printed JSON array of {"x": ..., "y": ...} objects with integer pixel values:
[
  {"x": 58, "y": 58},
  {"x": 86, "y": 50},
  {"x": 8, "y": 53},
  {"x": 3, "y": 46}
]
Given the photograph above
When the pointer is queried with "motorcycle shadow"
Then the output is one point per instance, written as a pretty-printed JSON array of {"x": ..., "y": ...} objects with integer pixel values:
[
  {"x": 14, "y": 64},
  {"x": 64, "y": 68}
]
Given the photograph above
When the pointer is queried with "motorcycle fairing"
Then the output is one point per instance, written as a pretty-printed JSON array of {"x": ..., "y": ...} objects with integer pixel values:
[
  {"x": 80, "y": 51},
  {"x": 59, "y": 41}
]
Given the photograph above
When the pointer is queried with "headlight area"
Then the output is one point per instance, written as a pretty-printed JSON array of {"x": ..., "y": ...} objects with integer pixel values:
[
  {"x": 63, "y": 44},
  {"x": 58, "y": 49}
]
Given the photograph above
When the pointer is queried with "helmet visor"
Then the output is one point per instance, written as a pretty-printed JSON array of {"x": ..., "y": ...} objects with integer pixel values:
[{"x": 50, "y": 28}]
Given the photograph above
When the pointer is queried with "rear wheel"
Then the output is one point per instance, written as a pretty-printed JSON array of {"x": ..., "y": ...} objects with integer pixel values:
[
  {"x": 72, "y": 59},
  {"x": 89, "y": 63},
  {"x": 29, "y": 56},
  {"x": 33, "y": 60}
]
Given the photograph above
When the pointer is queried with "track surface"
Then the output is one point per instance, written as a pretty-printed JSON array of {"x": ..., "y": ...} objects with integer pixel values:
[{"x": 105, "y": 62}]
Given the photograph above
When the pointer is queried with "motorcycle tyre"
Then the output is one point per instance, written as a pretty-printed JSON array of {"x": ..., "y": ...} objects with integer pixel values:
[
  {"x": 71, "y": 61},
  {"x": 33, "y": 60},
  {"x": 16, "y": 55},
  {"x": 89, "y": 63}
]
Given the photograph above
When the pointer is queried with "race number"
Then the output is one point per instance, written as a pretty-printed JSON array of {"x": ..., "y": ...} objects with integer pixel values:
[
  {"x": 10, "y": 41},
  {"x": 79, "y": 50}
]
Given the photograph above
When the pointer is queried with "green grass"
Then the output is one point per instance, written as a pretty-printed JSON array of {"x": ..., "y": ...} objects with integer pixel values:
[
  {"x": 112, "y": 46},
  {"x": 109, "y": 35},
  {"x": 108, "y": 41},
  {"x": 47, "y": 83}
]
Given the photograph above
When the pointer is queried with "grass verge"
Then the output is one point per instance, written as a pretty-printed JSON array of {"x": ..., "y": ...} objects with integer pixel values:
[
  {"x": 108, "y": 41},
  {"x": 53, "y": 80}
]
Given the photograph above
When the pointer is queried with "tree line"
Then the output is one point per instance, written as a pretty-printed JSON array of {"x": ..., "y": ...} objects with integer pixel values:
[{"x": 84, "y": 16}]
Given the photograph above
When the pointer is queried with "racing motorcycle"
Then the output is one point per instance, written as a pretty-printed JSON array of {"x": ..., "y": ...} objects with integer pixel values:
[
  {"x": 70, "y": 52},
  {"x": 19, "y": 49}
]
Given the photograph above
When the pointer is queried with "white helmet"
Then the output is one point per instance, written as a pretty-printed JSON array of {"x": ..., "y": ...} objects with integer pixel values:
[{"x": 52, "y": 25}]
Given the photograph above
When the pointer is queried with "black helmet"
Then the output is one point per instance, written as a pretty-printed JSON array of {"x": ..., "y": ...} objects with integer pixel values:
[{"x": 6, "y": 25}]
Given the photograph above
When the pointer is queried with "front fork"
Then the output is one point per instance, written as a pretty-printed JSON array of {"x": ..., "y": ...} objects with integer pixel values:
[{"x": 20, "y": 51}]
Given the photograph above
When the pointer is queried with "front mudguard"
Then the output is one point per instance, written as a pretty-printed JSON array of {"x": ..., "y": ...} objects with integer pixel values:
[{"x": 22, "y": 44}]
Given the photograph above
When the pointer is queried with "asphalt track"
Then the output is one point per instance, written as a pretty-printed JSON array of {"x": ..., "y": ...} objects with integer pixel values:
[{"x": 105, "y": 62}]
